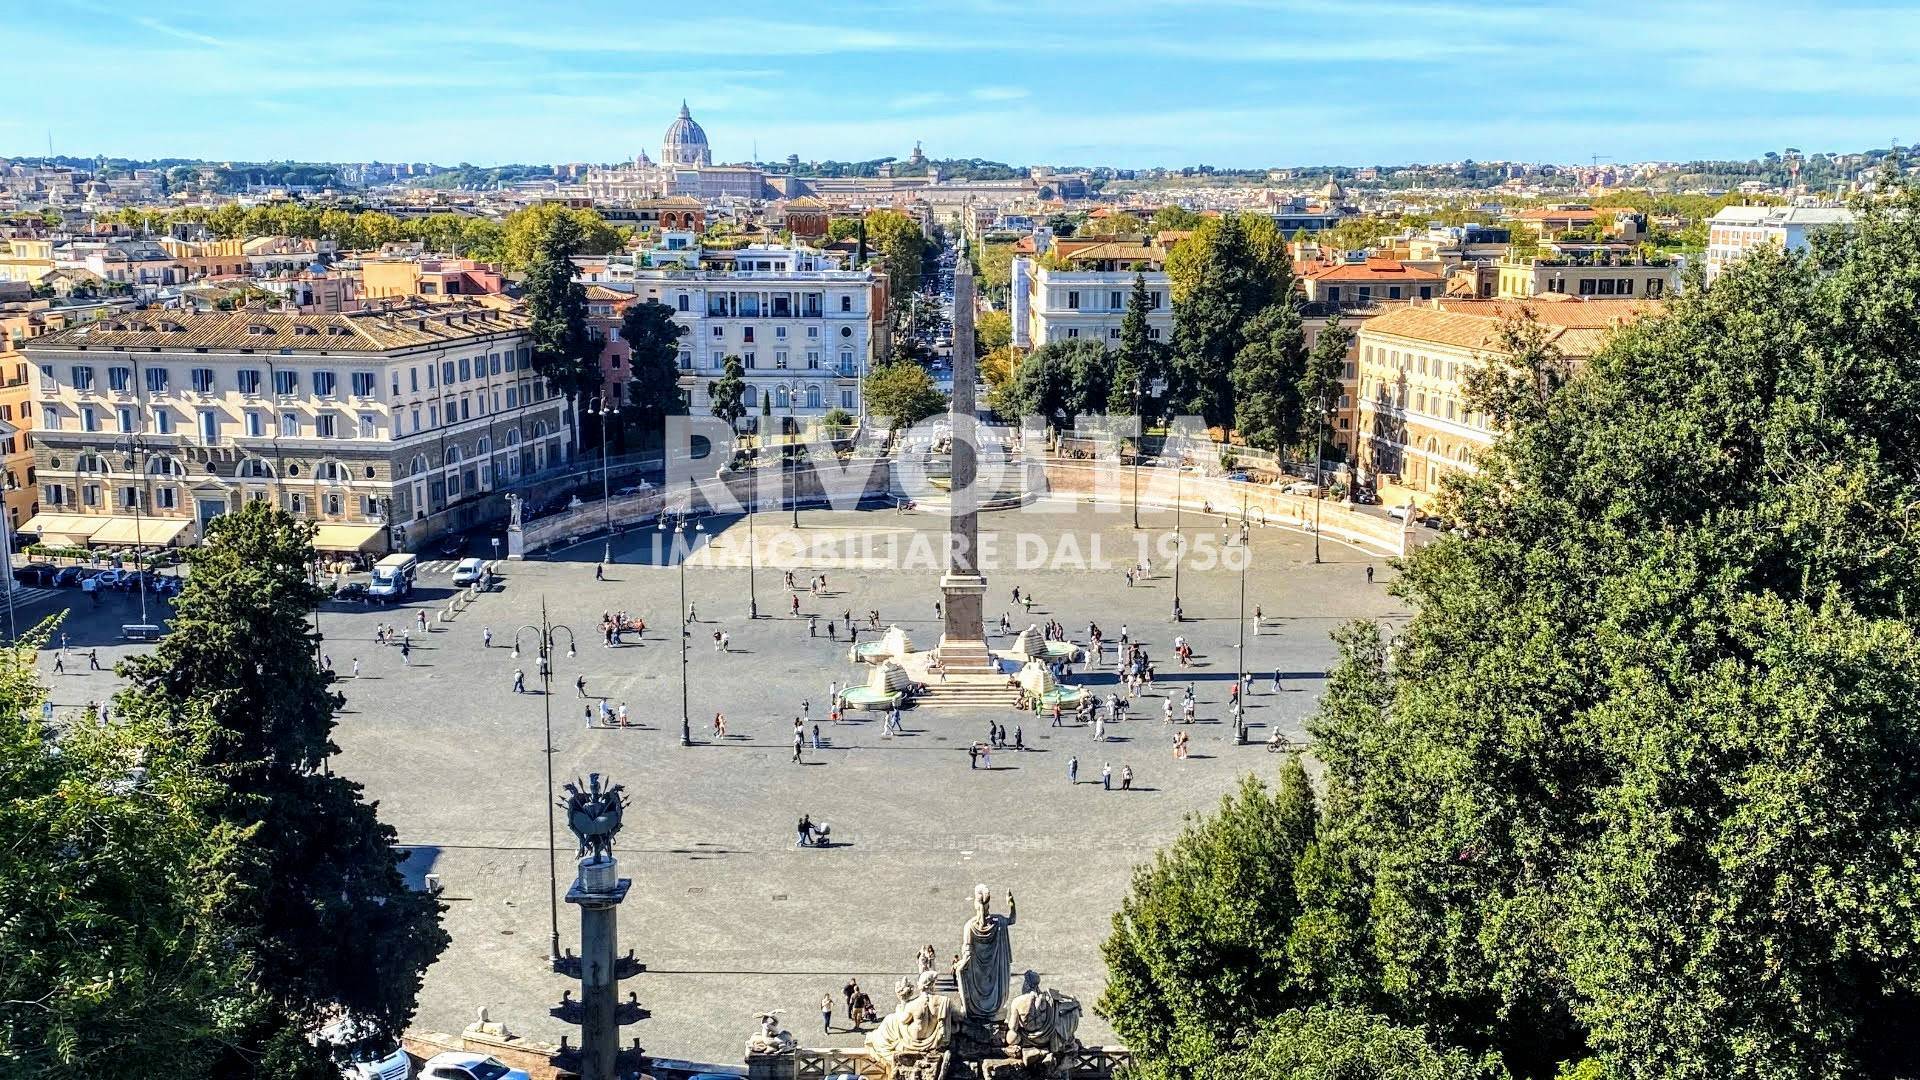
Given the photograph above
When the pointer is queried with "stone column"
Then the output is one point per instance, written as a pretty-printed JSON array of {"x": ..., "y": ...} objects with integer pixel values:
[
  {"x": 963, "y": 642},
  {"x": 598, "y": 892}
]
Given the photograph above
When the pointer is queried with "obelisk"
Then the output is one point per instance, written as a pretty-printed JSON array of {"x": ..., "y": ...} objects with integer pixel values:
[{"x": 963, "y": 642}]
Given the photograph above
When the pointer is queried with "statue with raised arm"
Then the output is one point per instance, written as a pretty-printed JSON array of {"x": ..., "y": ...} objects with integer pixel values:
[{"x": 986, "y": 961}]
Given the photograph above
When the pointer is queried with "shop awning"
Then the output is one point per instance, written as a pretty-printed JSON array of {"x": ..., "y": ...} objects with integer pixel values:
[
  {"x": 349, "y": 537},
  {"x": 69, "y": 530},
  {"x": 140, "y": 532}
]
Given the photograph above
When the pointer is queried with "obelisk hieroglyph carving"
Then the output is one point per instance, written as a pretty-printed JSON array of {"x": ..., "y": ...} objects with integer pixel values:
[{"x": 963, "y": 642}]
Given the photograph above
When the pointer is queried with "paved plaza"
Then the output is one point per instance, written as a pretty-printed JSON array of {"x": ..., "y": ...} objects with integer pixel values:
[{"x": 728, "y": 915}]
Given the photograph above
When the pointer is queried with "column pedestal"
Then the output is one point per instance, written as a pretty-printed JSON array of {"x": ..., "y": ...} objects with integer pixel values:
[{"x": 963, "y": 641}]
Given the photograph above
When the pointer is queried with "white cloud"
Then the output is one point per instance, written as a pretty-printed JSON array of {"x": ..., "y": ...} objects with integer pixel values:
[{"x": 998, "y": 93}]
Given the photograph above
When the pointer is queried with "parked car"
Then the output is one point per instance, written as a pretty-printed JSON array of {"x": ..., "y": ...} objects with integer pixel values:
[
  {"x": 1303, "y": 487},
  {"x": 73, "y": 575},
  {"x": 459, "y": 1065},
  {"x": 1404, "y": 513},
  {"x": 352, "y": 592},
  {"x": 35, "y": 574},
  {"x": 1240, "y": 475},
  {"x": 107, "y": 579},
  {"x": 133, "y": 581},
  {"x": 468, "y": 571},
  {"x": 1365, "y": 496}
]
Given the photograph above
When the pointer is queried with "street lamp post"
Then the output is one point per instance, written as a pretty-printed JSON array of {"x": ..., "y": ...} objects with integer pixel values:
[
  {"x": 545, "y": 635},
  {"x": 1319, "y": 496},
  {"x": 605, "y": 408},
  {"x": 1139, "y": 445},
  {"x": 679, "y": 529},
  {"x": 1246, "y": 556},
  {"x": 1179, "y": 540}
]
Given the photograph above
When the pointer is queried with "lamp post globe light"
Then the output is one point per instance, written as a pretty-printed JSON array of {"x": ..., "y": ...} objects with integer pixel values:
[{"x": 546, "y": 640}]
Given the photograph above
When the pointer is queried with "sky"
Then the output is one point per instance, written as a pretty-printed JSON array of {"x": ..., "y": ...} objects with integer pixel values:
[{"x": 1129, "y": 83}]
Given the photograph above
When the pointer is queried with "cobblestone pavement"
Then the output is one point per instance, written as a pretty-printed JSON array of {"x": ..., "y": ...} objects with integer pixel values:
[{"x": 728, "y": 915}]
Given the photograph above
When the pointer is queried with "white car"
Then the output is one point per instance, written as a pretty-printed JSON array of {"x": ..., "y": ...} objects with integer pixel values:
[
  {"x": 459, "y": 1065},
  {"x": 468, "y": 571},
  {"x": 1302, "y": 487},
  {"x": 1404, "y": 513}
]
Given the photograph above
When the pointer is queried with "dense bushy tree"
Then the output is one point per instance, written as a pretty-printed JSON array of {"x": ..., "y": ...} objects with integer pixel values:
[
  {"x": 728, "y": 393},
  {"x": 1324, "y": 1043},
  {"x": 1266, "y": 376},
  {"x": 1320, "y": 384},
  {"x": 115, "y": 880},
  {"x": 1636, "y": 787},
  {"x": 1225, "y": 275},
  {"x": 325, "y": 922},
  {"x": 903, "y": 393},
  {"x": 564, "y": 351},
  {"x": 1140, "y": 364},
  {"x": 653, "y": 366},
  {"x": 1057, "y": 381}
]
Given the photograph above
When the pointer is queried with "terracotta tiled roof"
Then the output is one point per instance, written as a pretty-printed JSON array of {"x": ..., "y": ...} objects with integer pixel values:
[
  {"x": 1118, "y": 250},
  {"x": 1372, "y": 270},
  {"x": 1577, "y": 328},
  {"x": 601, "y": 294},
  {"x": 360, "y": 331}
]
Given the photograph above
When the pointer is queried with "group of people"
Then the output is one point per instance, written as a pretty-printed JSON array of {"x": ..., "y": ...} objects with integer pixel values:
[
  {"x": 860, "y": 1010},
  {"x": 616, "y": 625},
  {"x": 1106, "y": 775}
]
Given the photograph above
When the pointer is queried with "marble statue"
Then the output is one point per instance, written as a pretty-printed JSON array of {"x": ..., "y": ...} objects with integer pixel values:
[
  {"x": 913, "y": 1039},
  {"x": 1041, "y": 1020},
  {"x": 986, "y": 961},
  {"x": 770, "y": 1040}
]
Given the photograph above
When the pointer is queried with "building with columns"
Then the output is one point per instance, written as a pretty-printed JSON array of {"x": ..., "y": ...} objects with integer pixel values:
[
  {"x": 685, "y": 168},
  {"x": 385, "y": 425}
]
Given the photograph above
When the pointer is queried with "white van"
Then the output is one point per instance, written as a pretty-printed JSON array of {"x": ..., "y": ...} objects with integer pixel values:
[{"x": 393, "y": 577}]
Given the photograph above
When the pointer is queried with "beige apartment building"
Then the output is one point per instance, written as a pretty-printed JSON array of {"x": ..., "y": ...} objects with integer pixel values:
[
  {"x": 385, "y": 426},
  {"x": 1414, "y": 426}
]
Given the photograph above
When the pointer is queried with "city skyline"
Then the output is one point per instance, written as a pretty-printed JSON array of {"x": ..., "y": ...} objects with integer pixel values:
[{"x": 1242, "y": 84}]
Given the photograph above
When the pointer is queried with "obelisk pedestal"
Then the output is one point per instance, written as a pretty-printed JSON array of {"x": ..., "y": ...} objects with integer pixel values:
[{"x": 963, "y": 638}]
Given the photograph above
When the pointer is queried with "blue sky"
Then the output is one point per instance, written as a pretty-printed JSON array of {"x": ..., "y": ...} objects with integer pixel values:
[{"x": 1124, "y": 82}]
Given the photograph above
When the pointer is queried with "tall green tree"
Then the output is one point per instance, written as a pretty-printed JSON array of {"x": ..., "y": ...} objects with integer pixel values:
[
  {"x": 1199, "y": 953},
  {"x": 653, "y": 376},
  {"x": 324, "y": 921},
  {"x": 564, "y": 351},
  {"x": 728, "y": 392},
  {"x": 1634, "y": 788},
  {"x": 1233, "y": 272},
  {"x": 1320, "y": 384},
  {"x": 1266, "y": 377},
  {"x": 117, "y": 880},
  {"x": 903, "y": 393},
  {"x": 1140, "y": 363},
  {"x": 1058, "y": 381}
]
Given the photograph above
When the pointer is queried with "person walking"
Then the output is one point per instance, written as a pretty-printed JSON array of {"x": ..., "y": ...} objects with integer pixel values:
[
  {"x": 93, "y": 660},
  {"x": 1369, "y": 573},
  {"x": 599, "y": 572},
  {"x": 623, "y": 715},
  {"x": 826, "y": 1007},
  {"x": 973, "y": 755},
  {"x": 406, "y": 653},
  {"x": 60, "y": 663},
  {"x": 486, "y": 637},
  {"x": 1073, "y": 771},
  {"x": 798, "y": 742},
  {"x": 326, "y": 663},
  {"x": 519, "y": 681},
  {"x": 588, "y": 713},
  {"x": 816, "y": 737},
  {"x": 580, "y": 685},
  {"x": 1126, "y": 778},
  {"x": 1106, "y": 776},
  {"x": 726, "y": 641},
  {"x": 423, "y": 621},
  {"x": 356, "y": 667},
  {"x": 719, "y": 726}
]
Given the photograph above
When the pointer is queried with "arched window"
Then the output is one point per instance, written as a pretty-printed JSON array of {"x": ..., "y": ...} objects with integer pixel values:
[
  {"x": 540, "y": 429},
  {"x": 254, "y": 468},
  {"x": 813, "y": 397},
  {"x": 484, "y": 446},
  {"x": 331, "y": 472},
  {"x": 90, "y": 463},
  {"x": 453, "y": 456},
  {"x": 513, "y": 438},
  {"x": 419, "y": 465},
  {"x": 780, "y": 398},
  {"x": 751, "y": 398},
  {"x": 162, "y": 465}
]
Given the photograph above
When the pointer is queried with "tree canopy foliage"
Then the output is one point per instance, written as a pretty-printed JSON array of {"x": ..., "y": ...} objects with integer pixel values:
[
  {"x": 1634, "y": 793},
  {"x": 902, "y": 392}
]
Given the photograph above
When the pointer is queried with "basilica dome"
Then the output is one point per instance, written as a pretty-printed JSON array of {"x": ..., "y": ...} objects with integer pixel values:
[{"x": 685, "y": 143}]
